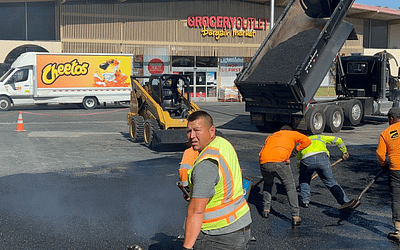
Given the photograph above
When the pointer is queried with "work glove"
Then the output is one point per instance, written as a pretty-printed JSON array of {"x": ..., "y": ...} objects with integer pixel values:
[
  {"x": 385, "y": 167},
  {"x": 345, "y": 156},
  {"x": 294, "y": 152}
]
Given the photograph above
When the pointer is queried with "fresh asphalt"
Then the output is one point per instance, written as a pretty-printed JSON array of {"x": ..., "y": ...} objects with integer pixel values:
[{"x": 74, "y": 180}]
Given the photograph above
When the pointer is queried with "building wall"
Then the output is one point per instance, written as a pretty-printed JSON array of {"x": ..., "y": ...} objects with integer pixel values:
[
  {"x": 394, "y": 36},
  {"x": 354, "y": 46},
  {"x": 131, "y": 27},
  {"x": 7, "y": 46}
]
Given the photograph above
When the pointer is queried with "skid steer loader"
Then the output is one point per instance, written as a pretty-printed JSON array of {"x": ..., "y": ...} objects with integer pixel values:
[{"x": 159, "y": 109}]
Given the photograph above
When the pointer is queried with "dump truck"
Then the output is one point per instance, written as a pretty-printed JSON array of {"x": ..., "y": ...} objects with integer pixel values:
[
  {"x": 87, "y": 79},
  {"x": 279, "y": 83},
  {"x": 159, "y": 109}
]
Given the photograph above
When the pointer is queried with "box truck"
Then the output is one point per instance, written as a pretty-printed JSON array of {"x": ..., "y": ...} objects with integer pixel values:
[
  {"x": 281, "y": 80},
  {"x": 85, "y": 79}
]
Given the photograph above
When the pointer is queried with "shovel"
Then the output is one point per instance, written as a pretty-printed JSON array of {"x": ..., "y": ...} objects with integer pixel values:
[{"x": 354, "y": 203}]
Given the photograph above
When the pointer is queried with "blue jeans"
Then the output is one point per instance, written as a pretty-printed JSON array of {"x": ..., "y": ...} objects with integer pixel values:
[
  {"x": 282, "y": 171},
  {"x": 319, "y": 163},
  {"x": 394, "y": 184},
  {"x": 238, "y": 240}
]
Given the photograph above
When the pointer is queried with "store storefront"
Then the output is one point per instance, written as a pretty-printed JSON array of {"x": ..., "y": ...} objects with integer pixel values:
[{"x": 204, "y": 74}]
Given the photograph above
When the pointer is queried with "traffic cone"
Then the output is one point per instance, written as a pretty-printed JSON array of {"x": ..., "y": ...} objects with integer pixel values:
[{"x": 20, "y": 123}]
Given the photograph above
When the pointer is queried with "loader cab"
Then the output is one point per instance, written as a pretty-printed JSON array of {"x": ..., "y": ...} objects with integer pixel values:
[{"x": 171, "y": 92}]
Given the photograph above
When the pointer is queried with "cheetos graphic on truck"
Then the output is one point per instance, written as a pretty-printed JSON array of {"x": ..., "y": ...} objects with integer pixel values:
[{"x": 62, "y": 78}]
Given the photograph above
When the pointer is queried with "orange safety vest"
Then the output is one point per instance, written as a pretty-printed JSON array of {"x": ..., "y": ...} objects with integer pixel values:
[
  {"x": 228, "y": 203},
  {"x": 188, "y": 159},
  {"x": 389, "y": 143}
]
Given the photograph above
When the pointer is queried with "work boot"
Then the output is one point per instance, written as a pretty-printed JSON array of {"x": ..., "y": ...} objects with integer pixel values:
[
  {"x": 396, "y": 235},
  {"x": 296, "y": 221},
  {"x": 265, "y": 213},
  {"x": 304, "y": 204}
]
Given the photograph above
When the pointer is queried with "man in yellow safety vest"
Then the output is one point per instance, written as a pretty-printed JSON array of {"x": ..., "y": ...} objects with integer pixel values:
[
  {"x": 218, "y": 215},
  {"x": 315, "y": 158}
]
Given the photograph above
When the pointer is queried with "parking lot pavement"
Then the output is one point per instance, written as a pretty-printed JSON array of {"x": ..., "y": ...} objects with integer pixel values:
[{"x": 74, "y": 180}]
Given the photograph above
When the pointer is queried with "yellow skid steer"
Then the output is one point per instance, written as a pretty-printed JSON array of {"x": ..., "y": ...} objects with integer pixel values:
[{"x": 159, "y": 109}]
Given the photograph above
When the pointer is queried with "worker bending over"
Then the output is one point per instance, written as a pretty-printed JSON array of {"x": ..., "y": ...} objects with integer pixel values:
[
  {"x": 389, "y": 144},
  {"x": 315, "y": 158},
  {"x": 218, "y": 216},
  {"x": 274, "y": 162}
]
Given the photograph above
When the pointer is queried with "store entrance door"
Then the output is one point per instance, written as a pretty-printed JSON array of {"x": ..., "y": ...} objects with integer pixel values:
[{"x": 204, "y": 85}]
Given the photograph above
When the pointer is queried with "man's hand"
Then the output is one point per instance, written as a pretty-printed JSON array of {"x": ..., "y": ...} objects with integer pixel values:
[
  {"x": 345, "y": 156},
  {"x": 385, "y": 167},
  {"x": 294, "y": 152}
]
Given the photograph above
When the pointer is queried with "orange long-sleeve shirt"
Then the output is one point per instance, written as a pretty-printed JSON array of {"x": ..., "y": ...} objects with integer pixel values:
[
  {"x": 278, "y": 146},
  {"x": 389, "y": 143},
  {"x": 188, "y": 158}
]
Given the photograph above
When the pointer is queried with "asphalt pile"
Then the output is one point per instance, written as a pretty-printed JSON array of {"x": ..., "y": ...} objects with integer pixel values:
[{"x": 280, "y": 63}]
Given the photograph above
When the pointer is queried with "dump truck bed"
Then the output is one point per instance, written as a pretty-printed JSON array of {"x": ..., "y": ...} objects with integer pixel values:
[{"x": 288, "y": 68}]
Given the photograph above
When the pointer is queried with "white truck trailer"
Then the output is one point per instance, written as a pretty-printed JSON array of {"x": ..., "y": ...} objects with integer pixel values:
[{"x": 86, "y": 79}]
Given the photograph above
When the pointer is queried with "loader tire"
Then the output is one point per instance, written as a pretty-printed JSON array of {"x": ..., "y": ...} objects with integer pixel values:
[
  {"x": 136, "y": 128},
  {"x": 150, "y": 138},
  {"x": 315, "y": 120},
  {"x": 334, "y": 118}
]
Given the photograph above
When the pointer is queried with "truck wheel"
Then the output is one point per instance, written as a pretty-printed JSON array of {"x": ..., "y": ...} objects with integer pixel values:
[
  {"x": 315, "y": 120},
  {"x": 150, "y": 140},
  {"x": 5, "y": 103},
  {"x": 334, "y": 118},
  {"x": 136, "y": 128},
  {"x": 354, "y": 111},
  {"x": 89, "y": 102}
]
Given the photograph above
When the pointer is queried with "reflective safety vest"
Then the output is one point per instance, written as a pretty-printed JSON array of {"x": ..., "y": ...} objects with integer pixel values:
[
  {"x": 228, "y": 203},
  {"x": 188, "y": 159},
  {"x": 318, "y": 145}
]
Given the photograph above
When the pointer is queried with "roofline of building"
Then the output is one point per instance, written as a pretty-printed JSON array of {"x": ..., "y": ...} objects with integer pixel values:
[{"x": 376, "y": 9}]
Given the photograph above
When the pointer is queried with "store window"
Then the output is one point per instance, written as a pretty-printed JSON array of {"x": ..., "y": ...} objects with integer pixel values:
[
  {"x": 182, "y": 61},
  {"x": 206, "y": 61},
  {"x": 375, "y": 34},
  {"x": 28, "y": 21}
]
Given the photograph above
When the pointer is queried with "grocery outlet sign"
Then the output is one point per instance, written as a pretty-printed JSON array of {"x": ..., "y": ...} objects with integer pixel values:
[{"x": 224, "y": 26}]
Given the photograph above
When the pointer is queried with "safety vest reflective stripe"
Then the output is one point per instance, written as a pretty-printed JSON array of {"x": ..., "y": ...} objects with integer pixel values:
[
  {"x": 228, "y": 211},
  {"x": 341, "y": 145},
  {"x": 186, "y": 166}
]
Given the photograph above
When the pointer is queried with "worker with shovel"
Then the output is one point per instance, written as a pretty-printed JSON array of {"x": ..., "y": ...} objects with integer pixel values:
[
  {"x": 315, "y": 158},
  {"x": 389, "y": 144},
  {"x": 274, "y": 162}
]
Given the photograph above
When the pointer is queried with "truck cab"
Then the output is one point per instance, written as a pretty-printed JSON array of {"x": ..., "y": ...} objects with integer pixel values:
[{"x": 361, "y": 76}]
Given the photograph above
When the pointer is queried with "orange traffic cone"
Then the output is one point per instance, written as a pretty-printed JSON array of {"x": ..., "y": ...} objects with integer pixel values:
[{"x": 20, "y": 123}]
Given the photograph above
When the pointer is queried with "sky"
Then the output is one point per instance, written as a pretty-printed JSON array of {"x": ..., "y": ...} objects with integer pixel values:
[{"x": 393, "y": 4}]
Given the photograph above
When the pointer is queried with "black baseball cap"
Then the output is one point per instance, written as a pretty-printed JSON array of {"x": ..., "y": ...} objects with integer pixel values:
[{"x": 394, "y": 112}]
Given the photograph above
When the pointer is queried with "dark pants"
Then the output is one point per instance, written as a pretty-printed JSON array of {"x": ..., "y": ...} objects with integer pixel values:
[
  {"x": 319, "y": 163},
  {"x": 238, "y": 240},
  {"x": 282, "y": 171},
  {"x": 394, "y": 184}
]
